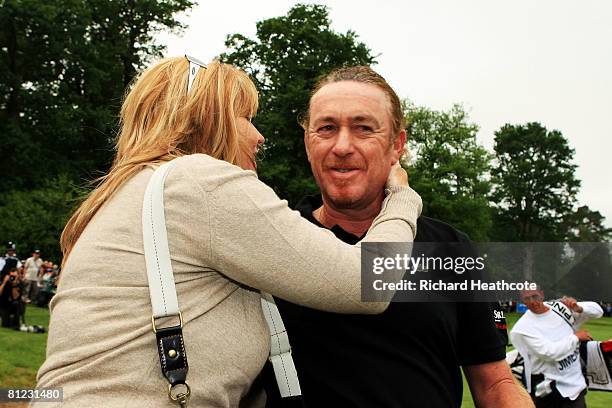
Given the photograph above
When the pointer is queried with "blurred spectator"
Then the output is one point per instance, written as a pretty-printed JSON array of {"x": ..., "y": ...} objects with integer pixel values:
[
  {"x": 32, "y": 268},
  {"x": 11, "y": 305},
  {"x": 40, "y": 284},
  {"x": 607, "y": 309},
  {"x": 508, "y": 306},
  {"x": 9, "y": 260},
  {"x": 48, "y": 284}
]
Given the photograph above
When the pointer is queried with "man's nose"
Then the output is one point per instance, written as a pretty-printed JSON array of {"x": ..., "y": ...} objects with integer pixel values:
[{"x": 344, "y": 142}]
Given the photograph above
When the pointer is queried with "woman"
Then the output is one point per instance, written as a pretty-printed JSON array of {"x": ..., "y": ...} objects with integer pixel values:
[{"x": 229, "y": 236}]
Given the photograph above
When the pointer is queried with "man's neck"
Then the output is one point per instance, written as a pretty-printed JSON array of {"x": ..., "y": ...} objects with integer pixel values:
[
  {"x": 354, "y": 221},
  {"x": 541, "y": 310}
]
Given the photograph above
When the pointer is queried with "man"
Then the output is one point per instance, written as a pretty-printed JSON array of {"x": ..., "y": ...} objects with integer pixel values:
[
  {"x": 32, "y": 269},
  {"x": 548, "y": 338},
  {"x": 9, "y": 261},
  {"x": 11, "y": 288},
  {"x": 410, "y": 356}
]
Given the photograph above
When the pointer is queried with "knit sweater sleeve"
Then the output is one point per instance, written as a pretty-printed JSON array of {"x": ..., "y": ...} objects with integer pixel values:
[{"x": 257, "y": 240}]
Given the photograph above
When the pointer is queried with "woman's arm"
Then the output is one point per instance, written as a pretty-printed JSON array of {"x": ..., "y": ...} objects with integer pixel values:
[{"x": 257, "y": 240}]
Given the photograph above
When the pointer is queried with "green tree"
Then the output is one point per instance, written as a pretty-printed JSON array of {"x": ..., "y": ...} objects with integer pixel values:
[
  {"x": 585, "y": 225},
  {"x": 450, "y": 170},
  {"x": 535, "y": 183},
  {"x": 35, "y": 219},
  {"x": 64, "y": 66},
  {"x": 285, "y": 59},
  {"x": 589, "y": 274}
]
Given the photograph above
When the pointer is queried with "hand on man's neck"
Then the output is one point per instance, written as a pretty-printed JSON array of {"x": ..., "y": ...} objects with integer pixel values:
[{"x": 355, "y": 221}]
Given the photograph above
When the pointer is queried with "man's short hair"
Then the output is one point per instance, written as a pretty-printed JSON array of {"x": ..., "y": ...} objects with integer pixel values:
[{"x": 365, "y": 75}]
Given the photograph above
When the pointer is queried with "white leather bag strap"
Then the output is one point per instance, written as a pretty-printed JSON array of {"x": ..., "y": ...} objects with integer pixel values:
[
  {"x": 157, "y": 255},
  {"x": 162, "y": 290},
  {"x": 280, "y": 350}
]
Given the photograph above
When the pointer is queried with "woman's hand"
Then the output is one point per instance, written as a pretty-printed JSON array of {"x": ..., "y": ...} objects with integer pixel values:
[{"x": 397, "y": 176}]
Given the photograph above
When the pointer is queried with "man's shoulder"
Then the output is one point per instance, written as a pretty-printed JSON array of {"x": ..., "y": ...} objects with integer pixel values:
[
  {"x": 525, "y": 324},
  {"x": 434, "y": 230}
]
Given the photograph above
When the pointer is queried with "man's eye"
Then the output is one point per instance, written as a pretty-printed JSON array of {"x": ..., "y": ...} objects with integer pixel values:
[
  {"x": 365, "y": 128},
  {"x": 326, "y": 129}
]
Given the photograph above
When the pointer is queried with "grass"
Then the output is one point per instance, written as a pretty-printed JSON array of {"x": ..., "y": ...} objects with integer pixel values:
[{"x": 23, "y": 353}]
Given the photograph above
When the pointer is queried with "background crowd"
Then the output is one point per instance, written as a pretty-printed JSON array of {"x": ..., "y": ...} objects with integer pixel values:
[{"x": 24, "y": 281}]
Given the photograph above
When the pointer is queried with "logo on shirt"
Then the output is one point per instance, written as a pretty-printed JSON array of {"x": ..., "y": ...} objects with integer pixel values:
[
  {"x": 562, "y": 311},
  {"x": 569, "y": 360}
]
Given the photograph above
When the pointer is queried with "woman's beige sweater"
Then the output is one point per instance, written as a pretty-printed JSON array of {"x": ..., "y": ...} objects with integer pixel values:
[{"x": 229, "y": 236}]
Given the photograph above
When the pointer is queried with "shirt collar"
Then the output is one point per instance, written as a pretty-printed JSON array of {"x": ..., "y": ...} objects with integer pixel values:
[{"x": 310, "y": 203}]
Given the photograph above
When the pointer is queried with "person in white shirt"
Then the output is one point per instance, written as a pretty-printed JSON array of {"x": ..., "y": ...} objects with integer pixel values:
[
  {"x": 548, "y": 338},
  {"x": 32, "y": 269}
]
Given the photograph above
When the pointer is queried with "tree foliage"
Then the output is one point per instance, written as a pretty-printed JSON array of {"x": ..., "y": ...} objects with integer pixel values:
[
  {"x": 64, "y": 67},
  {"x": 450, "y": 170},
  {"x": 34, "y": 219},
  {"x": 535, "y": 183},
  {"x": 285, "y": 59},
  {"x": 585, "y": 225}
]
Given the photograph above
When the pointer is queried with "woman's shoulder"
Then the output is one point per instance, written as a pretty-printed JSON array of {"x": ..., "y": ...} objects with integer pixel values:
[{"x": 206, "y": 171}]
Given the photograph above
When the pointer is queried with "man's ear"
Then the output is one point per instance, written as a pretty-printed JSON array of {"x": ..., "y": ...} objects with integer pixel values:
[
  {"x": 399, "y": 145},
  {"x": 306, "y": 146}
]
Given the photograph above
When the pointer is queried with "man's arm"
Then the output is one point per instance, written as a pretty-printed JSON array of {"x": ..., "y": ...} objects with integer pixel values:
[
  {"x": 26, "y": 266},
  {"x": 493, "y": 385},
  {"x": 6, "y": 278},
  {"x": 583, "y": 311},
  {"x": 552, "y": 350},
  {"x": 555, "y": 350},
  {"x": 591, "y": 309}
]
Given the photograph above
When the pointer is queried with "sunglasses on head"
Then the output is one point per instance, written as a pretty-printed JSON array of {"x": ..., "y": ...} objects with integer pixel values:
[{"x": 194, "y": 66}]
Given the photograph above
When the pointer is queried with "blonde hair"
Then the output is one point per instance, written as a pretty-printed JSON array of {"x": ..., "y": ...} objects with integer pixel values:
[{"x": 161, "y": 121}]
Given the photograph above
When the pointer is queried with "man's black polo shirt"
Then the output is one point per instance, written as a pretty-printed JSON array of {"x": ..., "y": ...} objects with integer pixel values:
[{"x": 408, "y": 356}]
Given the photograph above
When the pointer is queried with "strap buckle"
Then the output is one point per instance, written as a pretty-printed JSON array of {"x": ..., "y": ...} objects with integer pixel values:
[{"x": 180, "y": 315}]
